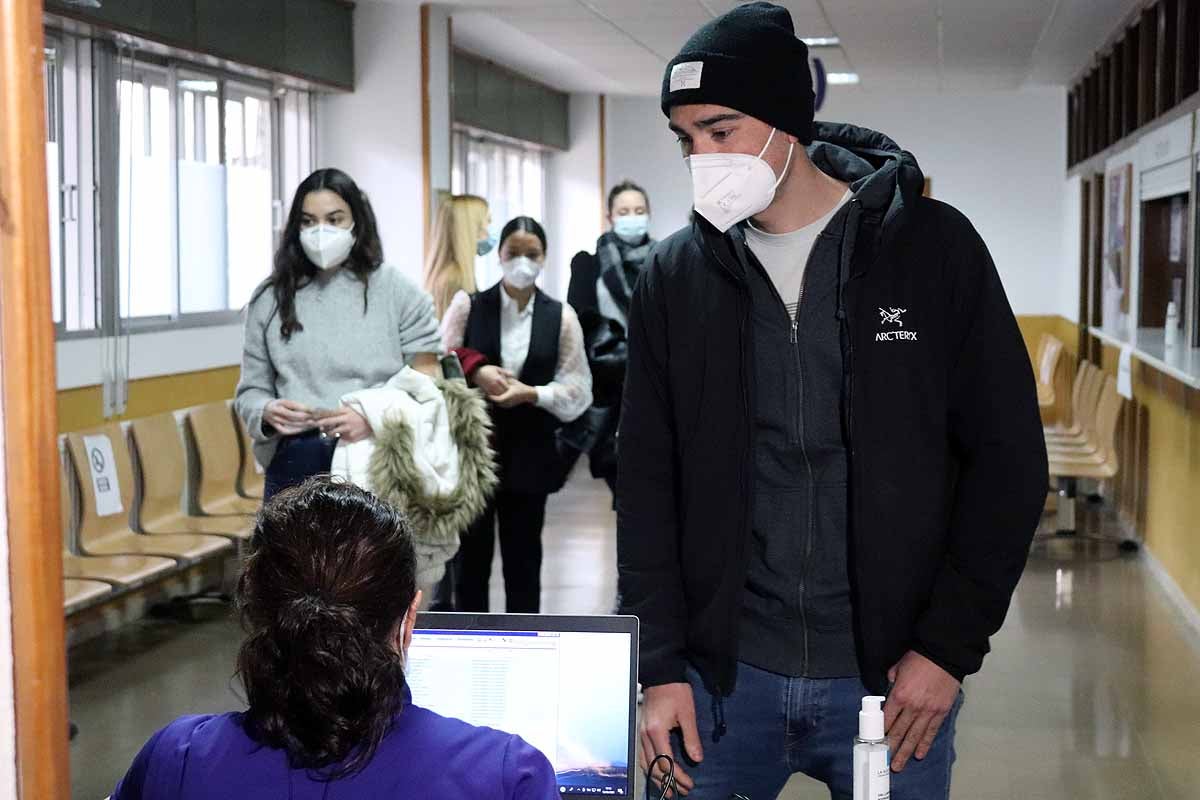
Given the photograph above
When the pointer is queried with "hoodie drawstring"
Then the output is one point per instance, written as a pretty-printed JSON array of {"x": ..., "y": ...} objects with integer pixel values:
[{"x": 718, "y": 711}]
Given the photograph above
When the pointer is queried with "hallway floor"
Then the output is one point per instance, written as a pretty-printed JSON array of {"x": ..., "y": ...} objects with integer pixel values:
[{"x": 1092, "y": 689}]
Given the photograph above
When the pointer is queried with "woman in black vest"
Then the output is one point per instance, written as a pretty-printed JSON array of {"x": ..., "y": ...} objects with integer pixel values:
[{"x": 535, "y": 374}]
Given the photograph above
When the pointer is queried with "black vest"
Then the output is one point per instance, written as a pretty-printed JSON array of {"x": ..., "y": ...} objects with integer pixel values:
[{"x": 525, "y": 436}]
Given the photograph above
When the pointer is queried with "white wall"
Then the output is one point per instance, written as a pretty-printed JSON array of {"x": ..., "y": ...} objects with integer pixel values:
[
  {"x": 640, "y": 148},
  {"x": 574, "y": 208},
  {"x": 374, "y": 134},
  {"x": 84, "y": 362},
  {"x": 999, "y": 157},
  {"x": 439, "y": 104}
]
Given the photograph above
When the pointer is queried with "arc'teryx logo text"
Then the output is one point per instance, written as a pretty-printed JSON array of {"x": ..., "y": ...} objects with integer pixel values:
[{"x": 893, "y": 315}]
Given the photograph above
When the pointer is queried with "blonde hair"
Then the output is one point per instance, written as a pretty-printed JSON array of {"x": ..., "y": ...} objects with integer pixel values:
[{"x": 450, "y": 261}]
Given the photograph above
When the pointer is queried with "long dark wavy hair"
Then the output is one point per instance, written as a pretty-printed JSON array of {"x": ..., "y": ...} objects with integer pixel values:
[
  {"x": 330, "y": 575},
  {"x": 293, "y": 270}
]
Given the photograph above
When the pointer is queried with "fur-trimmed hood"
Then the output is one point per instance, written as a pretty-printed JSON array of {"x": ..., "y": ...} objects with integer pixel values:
[{"x": 430, "y": 457}]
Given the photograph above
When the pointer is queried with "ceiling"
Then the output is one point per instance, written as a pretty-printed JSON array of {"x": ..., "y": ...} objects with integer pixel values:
[{"x": 622, "y": 46}]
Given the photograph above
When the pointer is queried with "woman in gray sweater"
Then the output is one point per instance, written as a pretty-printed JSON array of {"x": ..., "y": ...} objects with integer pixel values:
[{"x": 333, "y": 318}]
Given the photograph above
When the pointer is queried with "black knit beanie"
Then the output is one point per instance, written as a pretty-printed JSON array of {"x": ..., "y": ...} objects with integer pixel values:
[{"x": 750, "y": 60}]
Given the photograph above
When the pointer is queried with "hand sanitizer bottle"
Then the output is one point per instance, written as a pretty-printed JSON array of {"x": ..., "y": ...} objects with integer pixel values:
[
  {"x": 872, "y": 772},
  {"x": 1171, "y": 334}
]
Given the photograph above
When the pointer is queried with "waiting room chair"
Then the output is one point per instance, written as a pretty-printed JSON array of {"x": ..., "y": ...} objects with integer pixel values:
[
  {"x": 1049, "y": 352},
  {"x": 80, "y": 593},
  {"x": 161, "y": 472},
  {"x": 1083, "y": 431},
  {"x": 110, "y": 533},
  {"x": 1068, "y": 465},
  {"x": 125, "y": 572},
  {"x": 251, "y": 479},
  {"x": 216, "y": 446},
  {"x": 1071, "y": 426}
]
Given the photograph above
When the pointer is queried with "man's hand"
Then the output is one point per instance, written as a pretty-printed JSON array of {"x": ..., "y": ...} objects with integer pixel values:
[
  {"x": 922, "y": 695},
  {"x": 517, "y": 394},
  {"x": 664, "y": 709}
]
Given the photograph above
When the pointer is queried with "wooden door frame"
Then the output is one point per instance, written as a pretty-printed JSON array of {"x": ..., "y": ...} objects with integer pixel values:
[{"x": 30, "y": 425}]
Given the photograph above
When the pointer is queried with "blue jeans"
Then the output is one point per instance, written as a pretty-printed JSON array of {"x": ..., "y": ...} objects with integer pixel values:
[
  {"x": 296, "y": 459},
  {"x": 776, "y": 726}
]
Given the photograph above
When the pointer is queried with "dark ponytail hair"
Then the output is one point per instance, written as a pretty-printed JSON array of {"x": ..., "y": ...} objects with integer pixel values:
[
  {"x": 330, "y": 575},
  {"x": 293, "y": 270},
  {"x": 523, "y": 225}
]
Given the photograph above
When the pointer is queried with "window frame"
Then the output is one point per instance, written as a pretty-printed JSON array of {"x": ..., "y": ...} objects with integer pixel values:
[
  {"x": 55, "y": 107},
  {"x": 78, "y": 259},
  {"x": 149, "y": 75},
  {"x": 240, "y": 88},
  {"x": 466, "y": 140},
  {"x": 86, "y": 118}
]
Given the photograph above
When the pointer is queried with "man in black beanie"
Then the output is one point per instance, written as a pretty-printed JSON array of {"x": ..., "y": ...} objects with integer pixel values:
[{"x": 831, "y": 462}]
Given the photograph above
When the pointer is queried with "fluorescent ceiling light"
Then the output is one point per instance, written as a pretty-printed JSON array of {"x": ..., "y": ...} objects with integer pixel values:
[
  {"x": 198, "y": 86},
  {"x": 822, "y": 41},
  {"x": 841, "y": 78}
]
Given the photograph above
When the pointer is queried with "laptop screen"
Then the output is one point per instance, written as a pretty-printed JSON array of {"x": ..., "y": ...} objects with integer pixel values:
[{"x": 566, "y": 692}]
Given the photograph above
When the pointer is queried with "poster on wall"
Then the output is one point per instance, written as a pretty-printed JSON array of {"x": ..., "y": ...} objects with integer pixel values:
[{"x": 1117, "y": 267}]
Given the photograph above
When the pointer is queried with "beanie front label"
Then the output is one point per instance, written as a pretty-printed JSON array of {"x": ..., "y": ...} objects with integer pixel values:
[{"x": 686, "y": 75}]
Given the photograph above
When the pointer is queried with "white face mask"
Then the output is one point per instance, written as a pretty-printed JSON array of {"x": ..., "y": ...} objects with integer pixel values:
[
  {"x": 327, "y": 246},
  {"x": 521, "y": 272},
  {"x": 730, "y": 187}
]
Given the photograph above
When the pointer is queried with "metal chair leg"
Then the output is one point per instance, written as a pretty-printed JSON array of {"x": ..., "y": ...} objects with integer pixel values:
[{"x": 1066, "y": 507}]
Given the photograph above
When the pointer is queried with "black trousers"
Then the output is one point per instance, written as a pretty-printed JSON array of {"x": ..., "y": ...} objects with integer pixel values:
[{"x": 521, "y": 518}]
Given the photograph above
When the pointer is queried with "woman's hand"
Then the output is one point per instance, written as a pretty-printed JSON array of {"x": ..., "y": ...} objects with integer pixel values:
[
  {"x": 492, "y": 379},
  {"x": 346, "y": 424},
  {"x": 288, "y": 417},
  {"x": 517, "y": 394}
]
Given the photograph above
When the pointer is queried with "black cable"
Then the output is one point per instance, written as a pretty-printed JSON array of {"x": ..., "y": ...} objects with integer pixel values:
[{"x": 668, "y": 783}]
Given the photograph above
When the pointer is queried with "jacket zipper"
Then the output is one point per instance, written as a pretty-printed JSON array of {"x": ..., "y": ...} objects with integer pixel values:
[
  {"x": 798, "y": 431},
  {"x": 802, "y": 589}
]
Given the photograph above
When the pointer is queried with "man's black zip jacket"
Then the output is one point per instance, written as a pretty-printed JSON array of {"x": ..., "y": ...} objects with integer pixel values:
[{"x": 948, "y": 469}]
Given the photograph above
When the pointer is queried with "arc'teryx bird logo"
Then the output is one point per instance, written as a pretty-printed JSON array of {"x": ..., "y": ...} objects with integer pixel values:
[{"x": 893, "y": 316}]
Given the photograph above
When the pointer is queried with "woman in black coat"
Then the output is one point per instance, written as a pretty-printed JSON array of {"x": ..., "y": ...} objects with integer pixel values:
[{"x": 600, "y": 289}]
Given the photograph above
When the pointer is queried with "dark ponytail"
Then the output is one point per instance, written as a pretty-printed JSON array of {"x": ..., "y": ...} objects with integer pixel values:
[{"x": 330, "y": 576}]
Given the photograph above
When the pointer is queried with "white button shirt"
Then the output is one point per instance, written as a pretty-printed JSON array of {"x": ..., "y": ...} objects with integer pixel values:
[{"x": 570, "y": 393}]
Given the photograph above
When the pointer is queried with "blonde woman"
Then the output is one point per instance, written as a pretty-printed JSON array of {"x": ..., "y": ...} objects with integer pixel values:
[{"x": 460, "y": 233}]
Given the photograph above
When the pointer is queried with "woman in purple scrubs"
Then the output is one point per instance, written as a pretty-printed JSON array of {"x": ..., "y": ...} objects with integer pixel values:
[{"x": 328, "y": 599}]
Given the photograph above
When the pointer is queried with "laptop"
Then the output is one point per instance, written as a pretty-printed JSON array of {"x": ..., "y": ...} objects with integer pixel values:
[{"x": 565, "y": 684}]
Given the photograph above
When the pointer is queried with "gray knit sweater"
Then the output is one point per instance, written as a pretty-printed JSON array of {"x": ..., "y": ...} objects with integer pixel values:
[{"x": 342, "y": 348}]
